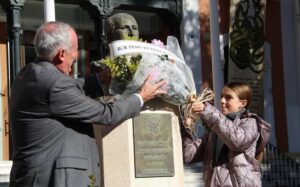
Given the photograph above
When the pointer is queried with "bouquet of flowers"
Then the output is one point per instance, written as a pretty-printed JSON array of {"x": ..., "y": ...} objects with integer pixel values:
[{"x": 131, "y": 61}]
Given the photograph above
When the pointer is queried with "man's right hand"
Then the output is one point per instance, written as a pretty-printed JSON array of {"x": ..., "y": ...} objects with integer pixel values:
[{"x": 150, "y": 90}]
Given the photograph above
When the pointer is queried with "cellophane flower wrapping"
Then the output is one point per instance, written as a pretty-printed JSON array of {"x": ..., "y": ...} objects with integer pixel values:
[{"x": 179, "y": 77}]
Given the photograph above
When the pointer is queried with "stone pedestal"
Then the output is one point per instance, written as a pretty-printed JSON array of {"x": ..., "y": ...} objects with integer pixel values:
[{"x": 144, "y": 151}]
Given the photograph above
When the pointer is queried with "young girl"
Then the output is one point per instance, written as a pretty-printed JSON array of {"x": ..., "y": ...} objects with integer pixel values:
[{"x": 227, "y": 149}]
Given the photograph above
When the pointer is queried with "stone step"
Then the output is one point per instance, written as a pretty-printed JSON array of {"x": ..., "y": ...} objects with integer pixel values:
[
  {"x": 194, "y": 184},
  {"x": 196, "y": 180},
  {"x": 193, "y": 177},
  {"x": 193, "y": 168},
  {"x": 5, "y": 167}
]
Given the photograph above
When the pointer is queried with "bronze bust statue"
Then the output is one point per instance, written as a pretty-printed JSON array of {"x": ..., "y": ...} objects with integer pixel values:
[{"x": 120, "y": 25}]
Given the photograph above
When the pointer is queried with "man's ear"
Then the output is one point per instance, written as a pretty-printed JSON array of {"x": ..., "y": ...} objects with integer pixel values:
[{"x": 61, "y": 55}]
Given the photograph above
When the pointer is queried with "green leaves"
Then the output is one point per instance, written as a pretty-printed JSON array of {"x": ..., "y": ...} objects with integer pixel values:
[
  {"x": 92, "y": 181},
  {"x": 123, "y": 67}
]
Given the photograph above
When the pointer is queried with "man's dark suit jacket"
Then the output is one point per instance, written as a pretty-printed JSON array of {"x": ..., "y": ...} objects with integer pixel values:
[{"x": 51, "y": 125}]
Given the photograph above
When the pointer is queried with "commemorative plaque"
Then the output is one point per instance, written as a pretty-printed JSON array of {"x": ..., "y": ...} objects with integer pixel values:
[{"x": 153, "y": 145}]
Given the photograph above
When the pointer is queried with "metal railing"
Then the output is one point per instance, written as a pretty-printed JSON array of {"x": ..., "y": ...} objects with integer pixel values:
[{"x": 278, "y": 169}]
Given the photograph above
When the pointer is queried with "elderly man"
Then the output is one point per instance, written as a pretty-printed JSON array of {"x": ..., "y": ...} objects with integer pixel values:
[{"x": 51, "y": 117}]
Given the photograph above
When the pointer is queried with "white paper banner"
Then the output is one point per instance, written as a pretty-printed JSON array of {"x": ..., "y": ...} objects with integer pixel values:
[{"x": 125, "y": 47}]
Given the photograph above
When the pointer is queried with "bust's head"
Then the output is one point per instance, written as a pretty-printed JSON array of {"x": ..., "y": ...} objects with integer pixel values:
[{"x": 120, "y": 25}]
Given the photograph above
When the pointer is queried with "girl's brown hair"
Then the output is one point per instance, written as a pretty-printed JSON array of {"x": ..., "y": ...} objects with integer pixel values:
[{"x": 242, "y": 89}]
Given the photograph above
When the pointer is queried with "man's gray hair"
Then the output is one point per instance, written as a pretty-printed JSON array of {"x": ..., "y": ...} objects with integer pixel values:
[{"x": 51, "y": 37}]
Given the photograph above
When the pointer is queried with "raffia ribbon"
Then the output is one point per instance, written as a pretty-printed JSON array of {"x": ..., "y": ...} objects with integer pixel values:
[{"x": 189, "y": 117}]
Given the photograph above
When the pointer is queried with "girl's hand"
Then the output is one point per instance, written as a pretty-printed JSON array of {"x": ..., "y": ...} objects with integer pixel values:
[{"x": 197, "y": 107}]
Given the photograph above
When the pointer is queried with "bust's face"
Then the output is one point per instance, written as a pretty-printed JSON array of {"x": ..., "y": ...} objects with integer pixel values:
[{"x": 125, "y": 26}]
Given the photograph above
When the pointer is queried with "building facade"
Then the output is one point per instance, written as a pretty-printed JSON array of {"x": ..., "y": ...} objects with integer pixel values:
[{"x": 192, "y": 22}]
